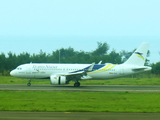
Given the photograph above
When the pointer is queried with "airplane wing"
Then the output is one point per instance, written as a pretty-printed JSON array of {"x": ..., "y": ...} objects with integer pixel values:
[{"x": 78, "y": 74}]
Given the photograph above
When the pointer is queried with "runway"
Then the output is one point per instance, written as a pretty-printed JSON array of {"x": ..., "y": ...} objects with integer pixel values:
[
  {"x": 15, "y": 115},
  {"x": 19, "y": 115},
  {"x": 91, "y": 88}
]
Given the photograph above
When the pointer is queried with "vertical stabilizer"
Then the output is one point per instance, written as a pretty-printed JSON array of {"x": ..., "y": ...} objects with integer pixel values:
[{"x": 139, "y": 56}]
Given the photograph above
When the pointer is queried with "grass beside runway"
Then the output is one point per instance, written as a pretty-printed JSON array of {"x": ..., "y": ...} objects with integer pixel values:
[
  {"x": 14, "y": 80},
  {"x": 79, "y": 101},
  {"x": 118, "y": 81}
]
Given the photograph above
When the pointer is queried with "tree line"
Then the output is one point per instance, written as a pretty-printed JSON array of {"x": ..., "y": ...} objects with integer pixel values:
[{"x": 69, "y": 55}]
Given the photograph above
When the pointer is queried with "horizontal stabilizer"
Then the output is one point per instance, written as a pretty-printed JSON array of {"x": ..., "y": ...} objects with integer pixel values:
[{"x": 142, "y": 68}]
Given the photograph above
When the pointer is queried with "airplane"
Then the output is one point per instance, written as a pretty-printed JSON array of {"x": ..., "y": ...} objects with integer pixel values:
[{"x": 61, "y": 74}]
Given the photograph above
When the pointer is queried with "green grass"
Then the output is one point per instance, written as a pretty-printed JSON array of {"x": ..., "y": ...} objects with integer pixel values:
[
  {"x": 118, "y": 81},
  {"x": 14, "y": 80},
  {"x": 79, "y": 101},
  {"x": 124, "y": 81}
]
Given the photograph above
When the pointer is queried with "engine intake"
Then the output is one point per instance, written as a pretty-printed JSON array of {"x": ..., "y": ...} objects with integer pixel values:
[{"x": 58, "y": 80}]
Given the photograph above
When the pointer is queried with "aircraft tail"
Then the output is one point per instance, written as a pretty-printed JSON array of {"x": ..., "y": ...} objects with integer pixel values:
[{"x": 139, "y": 56}]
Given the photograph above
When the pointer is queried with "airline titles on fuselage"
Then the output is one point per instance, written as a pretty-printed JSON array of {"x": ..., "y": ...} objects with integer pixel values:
[{"x": 44, "y": 67}]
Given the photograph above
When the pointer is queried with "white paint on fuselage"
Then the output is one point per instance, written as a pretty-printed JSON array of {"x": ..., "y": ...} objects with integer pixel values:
[{"x": 41, "y": 71}]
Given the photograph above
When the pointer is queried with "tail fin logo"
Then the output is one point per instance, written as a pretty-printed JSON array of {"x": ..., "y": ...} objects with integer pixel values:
[{"x": 139, "y": 55}]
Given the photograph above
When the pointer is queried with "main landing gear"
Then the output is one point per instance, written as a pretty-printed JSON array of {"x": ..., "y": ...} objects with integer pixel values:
[
  {"x": 77, "y": 84},
  {"x": 29, "y": 82}
]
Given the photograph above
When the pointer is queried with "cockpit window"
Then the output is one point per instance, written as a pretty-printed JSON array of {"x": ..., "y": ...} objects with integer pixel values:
[{"x": 19, "y": 68}]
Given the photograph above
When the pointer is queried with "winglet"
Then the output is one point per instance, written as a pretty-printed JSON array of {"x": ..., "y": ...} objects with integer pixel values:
[
  {"x": 91, "y": 67},
  {"x": 100, "y": 62}
]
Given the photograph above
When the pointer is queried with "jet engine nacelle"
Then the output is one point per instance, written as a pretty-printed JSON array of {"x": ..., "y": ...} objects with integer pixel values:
[{"x": 58, "y": 80}]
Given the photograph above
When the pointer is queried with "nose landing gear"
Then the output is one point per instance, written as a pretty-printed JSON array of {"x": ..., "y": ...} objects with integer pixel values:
[{"x": 29, "y": 82}]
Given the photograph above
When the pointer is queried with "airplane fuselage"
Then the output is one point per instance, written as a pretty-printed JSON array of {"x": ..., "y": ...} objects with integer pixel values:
[{"x": 103, "y": 71}]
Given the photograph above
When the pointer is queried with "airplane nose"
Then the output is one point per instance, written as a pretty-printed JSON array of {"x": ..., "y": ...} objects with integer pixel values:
[{"x": 12, "y": 73}]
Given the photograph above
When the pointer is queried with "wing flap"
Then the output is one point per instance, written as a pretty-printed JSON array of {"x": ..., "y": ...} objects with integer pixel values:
[{"x": 76, "y": 73}]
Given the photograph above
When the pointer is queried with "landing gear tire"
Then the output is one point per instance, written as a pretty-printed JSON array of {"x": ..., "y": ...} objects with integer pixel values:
[
  {"x": 29, "y": 84},
  {"x": 77, "y": 84}
]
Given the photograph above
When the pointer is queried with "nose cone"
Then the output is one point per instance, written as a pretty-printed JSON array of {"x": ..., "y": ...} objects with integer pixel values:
[{"x": 12, "y": 73}]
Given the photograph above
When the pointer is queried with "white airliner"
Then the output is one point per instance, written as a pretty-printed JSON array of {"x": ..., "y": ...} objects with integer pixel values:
[{"x": 61, "y": 74}]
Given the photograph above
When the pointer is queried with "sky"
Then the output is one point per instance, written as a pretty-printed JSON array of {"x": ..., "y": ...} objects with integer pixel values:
[{"x": 32, "y": 25}]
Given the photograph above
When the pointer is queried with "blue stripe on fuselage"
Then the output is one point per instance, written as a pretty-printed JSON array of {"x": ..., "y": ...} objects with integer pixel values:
[{"x": 95, "y": 67}]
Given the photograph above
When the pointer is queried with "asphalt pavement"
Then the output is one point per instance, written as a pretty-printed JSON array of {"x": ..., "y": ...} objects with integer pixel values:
[
  {"x": 16, "y": 115},
  {"x": 97, "y": 88}
]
